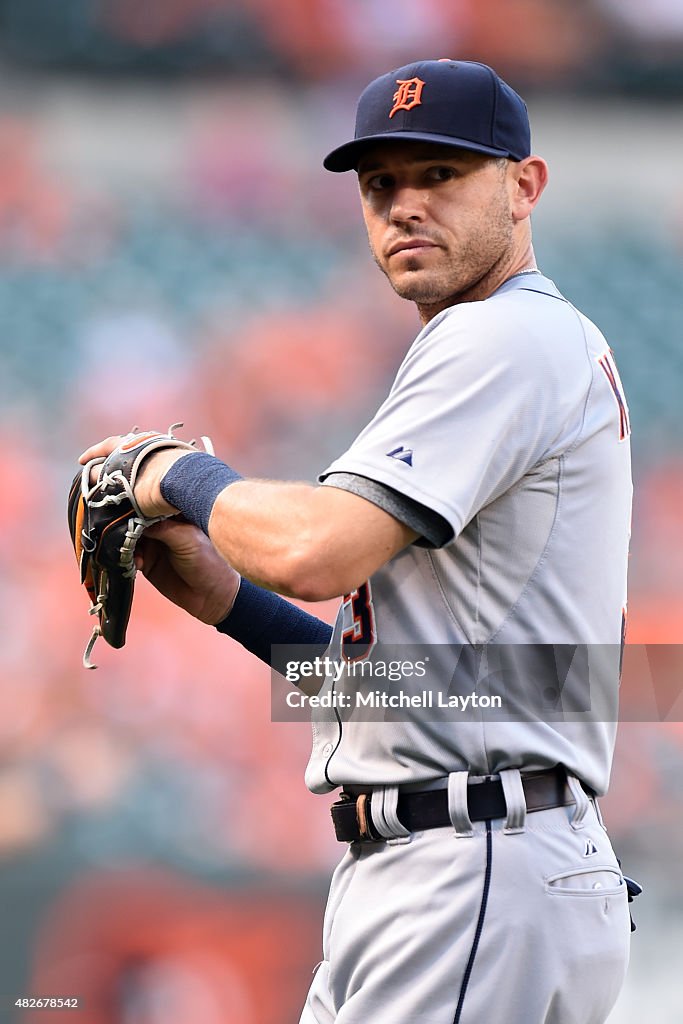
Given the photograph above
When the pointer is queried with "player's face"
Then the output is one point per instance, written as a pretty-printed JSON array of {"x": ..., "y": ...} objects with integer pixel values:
[{"x": 439, "y": 219}]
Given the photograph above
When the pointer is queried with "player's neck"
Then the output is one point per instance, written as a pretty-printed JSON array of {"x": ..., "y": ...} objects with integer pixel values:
[{"x": 505, "y": 268}]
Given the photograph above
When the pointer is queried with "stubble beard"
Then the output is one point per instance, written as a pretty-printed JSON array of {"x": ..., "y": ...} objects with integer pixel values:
[{"x": 447, "y": 274}]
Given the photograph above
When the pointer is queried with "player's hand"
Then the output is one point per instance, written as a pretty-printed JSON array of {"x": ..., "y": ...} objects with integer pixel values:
[
  {"x": 101, "y": 449},
  {"x": 182, "y": 563},
  {"x": 148, "y": 483}
]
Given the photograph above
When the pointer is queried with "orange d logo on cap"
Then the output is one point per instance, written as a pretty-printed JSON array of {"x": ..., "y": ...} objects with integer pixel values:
[
  {"x": 458, "y": 103},
  {"x": 408, "y": 94}
]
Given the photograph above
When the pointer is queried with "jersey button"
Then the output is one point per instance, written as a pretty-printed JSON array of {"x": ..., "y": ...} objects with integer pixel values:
[{"x": 327, "y": 750}]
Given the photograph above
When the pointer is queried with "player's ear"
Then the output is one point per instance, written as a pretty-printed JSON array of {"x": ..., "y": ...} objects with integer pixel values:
[{"x": 529, "y": 178}]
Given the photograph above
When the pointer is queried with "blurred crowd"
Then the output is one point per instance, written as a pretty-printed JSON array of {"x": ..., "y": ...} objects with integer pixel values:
[
  {"x": 603, "y": 44},
  {"x": 236, "y": 295}
]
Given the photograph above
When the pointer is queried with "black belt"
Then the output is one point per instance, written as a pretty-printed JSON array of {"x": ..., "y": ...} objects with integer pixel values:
[{"x": 429, "y": 808}]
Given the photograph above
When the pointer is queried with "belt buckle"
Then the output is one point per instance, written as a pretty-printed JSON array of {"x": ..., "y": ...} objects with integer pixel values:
[{"x": 363, "y": 819}]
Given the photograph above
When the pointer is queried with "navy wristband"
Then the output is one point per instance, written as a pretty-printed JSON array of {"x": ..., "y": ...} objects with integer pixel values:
[
  {"x": 193, "y": 483},
  {"x": 260, "y": 619}
]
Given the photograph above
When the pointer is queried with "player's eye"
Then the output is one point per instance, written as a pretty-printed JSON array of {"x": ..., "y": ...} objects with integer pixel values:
[
  {"x": 441, "y": 173},
  {"x": 379, "y": 183}
]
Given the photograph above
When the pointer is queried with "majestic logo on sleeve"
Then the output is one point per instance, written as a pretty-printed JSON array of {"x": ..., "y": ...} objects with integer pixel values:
[
  {"x": 402, "y": 454},
  {"x": 408, "y": 94}
]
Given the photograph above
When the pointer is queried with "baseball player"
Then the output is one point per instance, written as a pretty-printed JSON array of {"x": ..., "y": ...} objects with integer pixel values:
[{"x": 486, "y": 504}]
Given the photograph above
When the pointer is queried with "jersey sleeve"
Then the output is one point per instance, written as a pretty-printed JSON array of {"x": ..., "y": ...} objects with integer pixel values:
[
  {"x": 434, "y": 531},
  {"x": 485, "y": 393}
]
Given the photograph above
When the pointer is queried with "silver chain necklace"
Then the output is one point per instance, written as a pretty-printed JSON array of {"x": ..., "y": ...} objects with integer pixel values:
[{"x": 531, "y": 270}]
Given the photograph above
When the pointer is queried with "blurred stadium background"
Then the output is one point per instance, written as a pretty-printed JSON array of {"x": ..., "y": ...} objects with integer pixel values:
[{"x": 170, "y": 248}]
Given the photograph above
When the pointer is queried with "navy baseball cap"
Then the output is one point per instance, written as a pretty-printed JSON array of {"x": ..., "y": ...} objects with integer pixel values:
[{"x": 453, "y": 102}]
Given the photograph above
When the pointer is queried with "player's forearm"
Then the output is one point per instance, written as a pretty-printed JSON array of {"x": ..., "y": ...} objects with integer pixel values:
[
  {"x": 308, "y": 542},
  {"x": 303, "y": 541},
  {"x": 267, "y": 532}
]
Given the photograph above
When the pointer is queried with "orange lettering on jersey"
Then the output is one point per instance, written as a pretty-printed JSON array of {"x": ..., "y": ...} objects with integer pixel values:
[
  {"x": 610, "y": 367},
  {"x": 358, "y": 640},
  {"x": 408, "y": 94}
]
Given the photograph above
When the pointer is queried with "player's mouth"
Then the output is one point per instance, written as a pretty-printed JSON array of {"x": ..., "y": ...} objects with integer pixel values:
[{"x": 412, "y": 246}]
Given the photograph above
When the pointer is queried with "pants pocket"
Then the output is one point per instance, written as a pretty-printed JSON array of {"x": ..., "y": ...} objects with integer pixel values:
[{"x": 591, "y": 881}]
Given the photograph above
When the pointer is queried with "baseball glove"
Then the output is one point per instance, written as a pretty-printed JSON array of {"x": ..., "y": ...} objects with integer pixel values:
[{"x": 106, "y": 523}]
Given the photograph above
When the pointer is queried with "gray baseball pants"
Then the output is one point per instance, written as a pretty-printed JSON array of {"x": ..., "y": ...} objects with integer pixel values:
[{"x": 515, "y": 921}]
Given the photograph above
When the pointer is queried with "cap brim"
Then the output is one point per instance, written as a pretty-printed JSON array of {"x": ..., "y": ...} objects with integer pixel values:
[{"x": 346, "y": 157}]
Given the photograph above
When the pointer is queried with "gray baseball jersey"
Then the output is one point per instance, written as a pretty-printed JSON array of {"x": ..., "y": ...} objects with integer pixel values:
[{"x": 505, "y": 442}]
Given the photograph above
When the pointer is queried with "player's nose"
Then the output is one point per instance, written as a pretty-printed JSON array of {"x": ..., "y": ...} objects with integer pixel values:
[{"x": 408, "y": 204}]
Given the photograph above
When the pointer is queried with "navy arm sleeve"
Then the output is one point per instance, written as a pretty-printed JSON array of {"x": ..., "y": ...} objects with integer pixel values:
[{"x": 260, "y": 619}]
